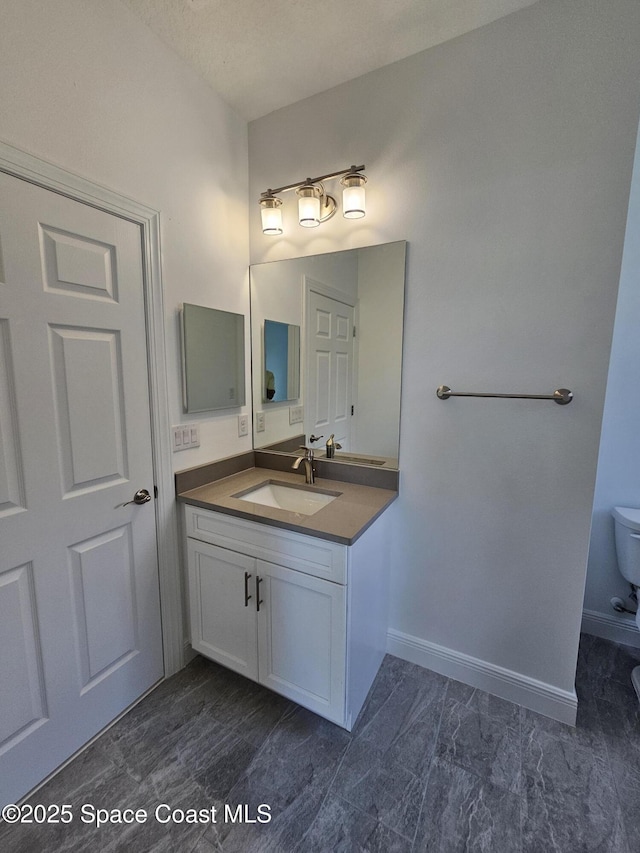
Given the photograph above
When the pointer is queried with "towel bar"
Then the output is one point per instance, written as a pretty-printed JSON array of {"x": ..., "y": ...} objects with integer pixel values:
[{"x": 562, "y": 396}]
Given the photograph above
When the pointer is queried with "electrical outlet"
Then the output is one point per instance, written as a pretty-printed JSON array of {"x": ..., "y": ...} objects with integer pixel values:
[
  {"x": 259, "y": 421},
  {"x": 185, "y": 437},
  {"x": 243, "y": 425}
]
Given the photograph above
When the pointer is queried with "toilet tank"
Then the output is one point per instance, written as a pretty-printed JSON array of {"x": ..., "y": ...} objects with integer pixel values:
[{"x": 627, "y": 530}]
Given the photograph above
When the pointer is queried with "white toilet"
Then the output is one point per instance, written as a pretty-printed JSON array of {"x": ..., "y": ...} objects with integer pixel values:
[{"x": 627, "y": 531}]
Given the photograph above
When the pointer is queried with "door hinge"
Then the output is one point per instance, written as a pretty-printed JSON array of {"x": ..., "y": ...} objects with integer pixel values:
[
  {"x": 351, "y": 411},
  {"x": 354, "y": 331},
  {"x": 155, "y": 492}
]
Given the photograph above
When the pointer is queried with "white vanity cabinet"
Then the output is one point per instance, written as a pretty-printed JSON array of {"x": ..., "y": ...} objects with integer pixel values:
[{"x": 304, "y": 616}]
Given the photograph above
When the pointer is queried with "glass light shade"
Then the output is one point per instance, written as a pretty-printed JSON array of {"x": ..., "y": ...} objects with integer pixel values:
[
  {"x": 308, "y": 206},
  {"x": 271, "y": 216},
  {"x": 353, "y": 202},
  {"x": 353, "y": 196}
]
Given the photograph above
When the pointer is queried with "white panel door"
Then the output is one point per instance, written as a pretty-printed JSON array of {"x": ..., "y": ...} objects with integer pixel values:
[
  {"x": 80, "y": 635},
  {"x": 329, "y": 368},
  {"x": 302, "y": 639}
]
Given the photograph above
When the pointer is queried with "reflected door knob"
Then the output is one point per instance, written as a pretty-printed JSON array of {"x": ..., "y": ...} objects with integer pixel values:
[{"x": 140, "y": 497}]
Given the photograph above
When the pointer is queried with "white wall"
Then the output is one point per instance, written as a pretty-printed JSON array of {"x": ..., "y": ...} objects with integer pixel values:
[
  {"x": 618, "y": 480},
  {"x": 86, "y": 86},
  {"x": 504, "y": 158}
]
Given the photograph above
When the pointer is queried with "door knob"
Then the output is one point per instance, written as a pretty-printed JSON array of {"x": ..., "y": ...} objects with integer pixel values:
[{"x": 140, "y": 497}]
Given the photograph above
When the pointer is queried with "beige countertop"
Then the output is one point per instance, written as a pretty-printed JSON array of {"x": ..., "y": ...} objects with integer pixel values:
[{"x": 342, "y": 520}]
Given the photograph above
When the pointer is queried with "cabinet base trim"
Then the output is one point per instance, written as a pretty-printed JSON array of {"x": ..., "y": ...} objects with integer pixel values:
[{"x": 536, "y": 695}]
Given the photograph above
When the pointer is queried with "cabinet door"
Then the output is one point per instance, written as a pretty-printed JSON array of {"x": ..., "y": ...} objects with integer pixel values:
[
  {"x": 223, "y": 621},
  {"x": 302, "y": 639}
]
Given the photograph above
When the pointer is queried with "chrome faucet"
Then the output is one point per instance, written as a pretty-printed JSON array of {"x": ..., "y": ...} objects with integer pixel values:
[
  {"x": 307, "y": 460},
  {"x": 332, "y": 446}
]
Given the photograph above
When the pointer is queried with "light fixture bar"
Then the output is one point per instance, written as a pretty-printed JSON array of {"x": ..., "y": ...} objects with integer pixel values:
[
  {"x": 315, "y": 205},
  {"x": 312, "y": 180}
]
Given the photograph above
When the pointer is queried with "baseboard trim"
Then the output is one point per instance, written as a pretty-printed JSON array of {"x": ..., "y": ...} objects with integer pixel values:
[
  {"x": 620, "y": 629},
  {"x": 536, "y": 695},
  {"x": 189, "y": 653}
]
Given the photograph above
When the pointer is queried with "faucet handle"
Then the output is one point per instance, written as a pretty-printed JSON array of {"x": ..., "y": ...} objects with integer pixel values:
[
  {"x": 313, "y": 438},
  {"x": 308, "y": 452}
]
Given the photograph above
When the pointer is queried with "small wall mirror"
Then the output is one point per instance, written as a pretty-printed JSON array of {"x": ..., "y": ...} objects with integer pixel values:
[
  {"x": 347, "y": 310},
  {"x": 281, "y": 362},
  {"x": 212, "y": 358}
]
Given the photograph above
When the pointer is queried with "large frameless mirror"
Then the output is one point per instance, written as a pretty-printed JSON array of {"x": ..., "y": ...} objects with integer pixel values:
[{"x": 344, "y": 311}]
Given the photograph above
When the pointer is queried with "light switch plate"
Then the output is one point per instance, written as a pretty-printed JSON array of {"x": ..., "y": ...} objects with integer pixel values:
[
  {"x": 185, "y": 437},
  {"x": 259, "y": 421},
  {"x": 296, "y": 414},
  {"x": 243, "y": 425}
]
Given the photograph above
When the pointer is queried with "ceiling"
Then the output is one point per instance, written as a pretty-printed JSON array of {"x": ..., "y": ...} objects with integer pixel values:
[{"x": 260, "y": 55}]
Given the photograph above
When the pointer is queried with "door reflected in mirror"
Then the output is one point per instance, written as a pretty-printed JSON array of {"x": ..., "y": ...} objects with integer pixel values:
[{"x": 346, "y": 311}]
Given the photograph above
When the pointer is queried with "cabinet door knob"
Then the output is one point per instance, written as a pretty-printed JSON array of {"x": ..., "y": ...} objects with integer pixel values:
[
  {"x": 259, "y": 601},
  {"x": 246, "y": 589}
]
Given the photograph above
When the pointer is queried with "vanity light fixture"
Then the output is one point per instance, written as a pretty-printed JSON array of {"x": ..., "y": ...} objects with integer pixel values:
[
  {"x": 271, "y": 214},
  {"x": 314, "y": 204},
  {"x": 353, "y": 206}
]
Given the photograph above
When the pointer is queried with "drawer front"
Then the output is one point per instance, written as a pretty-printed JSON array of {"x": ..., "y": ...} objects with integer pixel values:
[{"x": 317, "y": 557}]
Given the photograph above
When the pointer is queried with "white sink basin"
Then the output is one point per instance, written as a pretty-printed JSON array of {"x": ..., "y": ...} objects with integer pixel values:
[{"x": 300, "y": 499}]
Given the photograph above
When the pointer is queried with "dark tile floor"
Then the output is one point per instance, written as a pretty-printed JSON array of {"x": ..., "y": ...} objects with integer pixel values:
[{"x": 432, "y": 765}]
